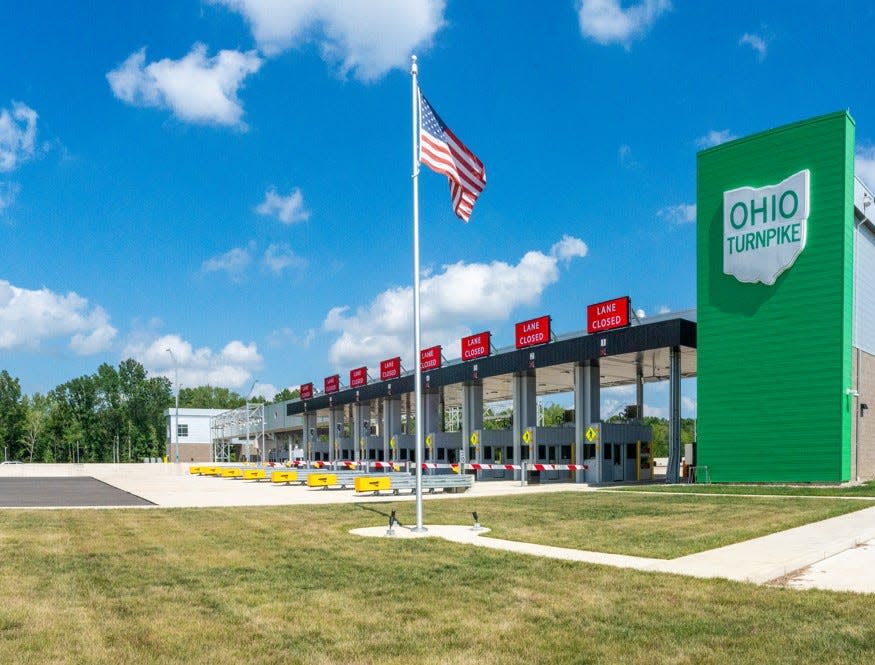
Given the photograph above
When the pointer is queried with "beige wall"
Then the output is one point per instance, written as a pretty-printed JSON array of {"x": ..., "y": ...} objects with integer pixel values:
[
  {"x": 864, "y": 424},
  {"x": 190, "y": 452}
]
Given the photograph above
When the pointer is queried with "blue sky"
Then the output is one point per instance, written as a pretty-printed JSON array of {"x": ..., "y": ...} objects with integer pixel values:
[{"x": 231, "y": 178}]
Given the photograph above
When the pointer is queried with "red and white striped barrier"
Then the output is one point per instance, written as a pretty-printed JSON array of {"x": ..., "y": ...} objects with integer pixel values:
[
  {"x": 474, "y": 466},
  {"x": 532, "y": 467}
]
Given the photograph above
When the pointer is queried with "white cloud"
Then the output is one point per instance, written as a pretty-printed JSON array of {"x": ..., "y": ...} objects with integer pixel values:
[
  {"x": 864, "y": 165},
  {"x": 17, "y": 135},
  {"x": 8, "y": 193},
  {"x": 462, "y": 294},
  {"x": 624, "y": 154},
  {"x": 689, "y": 407},
  {"x": 684, "y": 213},
  {"x": 366, "y": 38},
  {"x": 606, "y": 22},
  {"x": 663, "y": 309},
  {"x": 715, "y": 137},
  {"x": 232, "y": 367},
  {"x": 756, "y": 42},
  {"x": 569, "y": 248},
  {"x": 234, "y": 262},
  {"x": 288, "y": 209},
  {"x": 265, "y": 390},
  {"x": 279, "y": 256},
  {"x": 196, "y": 88},
  {"x": 30, "y": 318},
  {"x": 285, "y": 337}
]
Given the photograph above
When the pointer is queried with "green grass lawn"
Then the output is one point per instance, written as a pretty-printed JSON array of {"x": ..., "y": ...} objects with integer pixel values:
[
  {"x": 865, "y": 490},
  {"x": 660, "y": 526},
  {"x": 291, "y": 585}
]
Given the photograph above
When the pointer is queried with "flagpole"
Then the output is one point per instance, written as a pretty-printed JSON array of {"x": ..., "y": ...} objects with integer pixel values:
[{"x": 417, "y": 342}]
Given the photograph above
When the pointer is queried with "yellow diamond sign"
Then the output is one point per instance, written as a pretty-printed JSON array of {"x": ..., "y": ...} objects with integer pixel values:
[
  {"x": 475, "y": 438},
  {"x": 527, "y": 436},
  {"x": 591, "y": 434}
]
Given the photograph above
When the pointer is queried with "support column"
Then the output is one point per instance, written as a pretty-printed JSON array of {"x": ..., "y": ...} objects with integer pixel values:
[
  {"x": 525, "y": 414},
  {"x": 472, "y": 414},
  {"x": 639, "y": 386},
  {"x": 361, "y": 414},
  {"x": 587, "y": 406},
  {"x": 335, "y": 429},
  {"x": 391, "y": 423},
  {"x": 672, "y": 472},
  {"x": 310, "y": 436},
  {"x": 431, "y": 420}
]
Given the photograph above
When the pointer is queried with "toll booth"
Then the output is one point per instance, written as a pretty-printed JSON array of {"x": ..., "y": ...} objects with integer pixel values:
[
  {"x": 373, "y": 448},
  {"x": 402, "y": 448},
  {"x": 618, "y": 452},
  {"x": 315, "y": 442},
  {"x": 346, "y": 446},
  {"x": 443, "y": 447},
  {"x": 550, "y": 445},
  {"x": 492, "y": 446}
]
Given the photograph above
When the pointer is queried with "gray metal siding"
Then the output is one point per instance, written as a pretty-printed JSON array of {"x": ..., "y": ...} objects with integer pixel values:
[{"x": 864, "y": 291}]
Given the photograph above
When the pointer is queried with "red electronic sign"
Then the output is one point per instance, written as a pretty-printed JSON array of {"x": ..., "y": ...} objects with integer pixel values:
[
  {"x": 358, "y": 377},
  {"x": 608, "y": 315},
  {"x": 390, "y": 369},
  {"x": 306, "y": 391},
  {"x": 430, "y": 358},
  {"x": 332, "y": 383},
  {"x": 533, "y": 332},
  {"x": 475, "y": 346}
]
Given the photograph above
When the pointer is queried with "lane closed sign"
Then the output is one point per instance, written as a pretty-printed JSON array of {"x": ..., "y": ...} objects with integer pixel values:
[{"x": 608, "y": 315}]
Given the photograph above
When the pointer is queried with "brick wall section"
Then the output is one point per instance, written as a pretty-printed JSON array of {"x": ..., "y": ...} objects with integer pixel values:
[{"x": 190, "y": 452}]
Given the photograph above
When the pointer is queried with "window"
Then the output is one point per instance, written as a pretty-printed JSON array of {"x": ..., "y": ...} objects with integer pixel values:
[{"x": 182, "y": 430}]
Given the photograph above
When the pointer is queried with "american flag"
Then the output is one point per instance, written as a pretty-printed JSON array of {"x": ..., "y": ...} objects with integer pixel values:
[{"x": 443, "y": 152}]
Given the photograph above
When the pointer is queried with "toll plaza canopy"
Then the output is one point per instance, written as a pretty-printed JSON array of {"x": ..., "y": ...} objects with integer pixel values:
[{"x": 640, "y": 352}]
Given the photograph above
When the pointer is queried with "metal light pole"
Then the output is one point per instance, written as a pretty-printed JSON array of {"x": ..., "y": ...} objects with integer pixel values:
[{"x": 176, "y": 424}]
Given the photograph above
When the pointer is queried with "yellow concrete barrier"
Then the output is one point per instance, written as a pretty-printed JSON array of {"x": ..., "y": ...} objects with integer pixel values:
[
  {"x": 321, "y": 479},
  {"x": 194, "y": 470},
  {"x": 372, "y": 483},
  {"x": 284, "y": 476},
  {"x": 232, "y": 473},
  {"x": 253, "y": 474},
  {"x": 211, "y": 470}
]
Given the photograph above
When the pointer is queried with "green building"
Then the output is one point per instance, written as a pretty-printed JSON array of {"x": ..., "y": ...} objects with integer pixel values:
[{"x": 786, "y": 307}]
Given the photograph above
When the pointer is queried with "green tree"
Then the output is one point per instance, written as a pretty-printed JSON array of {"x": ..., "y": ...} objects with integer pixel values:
[
  {"x": 210, "y": 397},
  {"x": 38, "y": 408},
  {"x": 285, "y": 395},
  {"x": 12, "y": 416},
  {"x": 501, "y": 420},
  {"x": 114, "y": 412},
  {"x": 554, "y": 415}
]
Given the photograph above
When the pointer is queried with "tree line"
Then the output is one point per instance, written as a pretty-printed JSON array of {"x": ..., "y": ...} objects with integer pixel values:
[{"x": 113, "y": 415}]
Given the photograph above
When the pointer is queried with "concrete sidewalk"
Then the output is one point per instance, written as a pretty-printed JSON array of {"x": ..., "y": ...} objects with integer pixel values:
[{"x": 840, "y": 551}]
